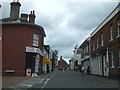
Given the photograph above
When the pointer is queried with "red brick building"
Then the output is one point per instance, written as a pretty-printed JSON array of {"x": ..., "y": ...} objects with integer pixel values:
[
  {"x": 22, "y": 43},
  {"x": 105, "y": 46},
  {"x": 62, "y": 64}
]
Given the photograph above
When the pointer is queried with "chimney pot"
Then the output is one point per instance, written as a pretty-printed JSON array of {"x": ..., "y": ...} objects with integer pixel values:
[
  {"x": 24, "y": 17},
  {"x": 32, "y": 17},
  {"x": 33, "y": 12}
]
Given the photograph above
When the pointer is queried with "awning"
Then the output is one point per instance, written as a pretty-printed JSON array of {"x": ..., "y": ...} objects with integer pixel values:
[{"x": 46, "y": 60}]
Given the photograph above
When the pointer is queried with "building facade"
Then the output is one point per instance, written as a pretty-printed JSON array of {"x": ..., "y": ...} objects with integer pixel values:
[
  {"x": 0, "y": 50},
  {"x": 54, "y": 59},
  {"x": 85, "y": 54},
  {"x": 105, "y": 46},
  {"x": 22, "y": 44},
  {"x": 62, "y": 64}
]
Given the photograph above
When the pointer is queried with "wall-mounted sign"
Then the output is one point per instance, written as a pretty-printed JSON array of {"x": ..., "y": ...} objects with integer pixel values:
[
  {"x": 9, "y": 71},
  {"x": 34, "y": 50},
  {"x": 28, "y": 72}
]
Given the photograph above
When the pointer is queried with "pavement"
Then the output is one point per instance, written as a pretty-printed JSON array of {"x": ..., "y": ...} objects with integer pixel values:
[
  {"x": 18, "y": 83},
  {"x": 103, "y": 79}
]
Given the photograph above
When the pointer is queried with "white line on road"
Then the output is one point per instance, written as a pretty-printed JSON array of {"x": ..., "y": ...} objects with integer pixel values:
[
  {"x": 26, "y": 85},
  {"x": 48, "y": 80},
  {"x": 41, "y": 81}
]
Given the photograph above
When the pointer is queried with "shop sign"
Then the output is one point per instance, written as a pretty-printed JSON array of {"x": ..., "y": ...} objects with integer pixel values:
[{"x": 34, "y": 50}]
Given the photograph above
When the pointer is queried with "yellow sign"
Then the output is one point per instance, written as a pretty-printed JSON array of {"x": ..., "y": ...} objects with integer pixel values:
[{"x": 46, "y": 60}]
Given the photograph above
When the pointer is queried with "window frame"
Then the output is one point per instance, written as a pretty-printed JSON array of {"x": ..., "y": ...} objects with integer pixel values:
[
  {"x": 110, "y": 33},
  {"x": 36, "y": 39},
  {"x": 118, "y": 28},
  {"x": 112, "y": 60}
]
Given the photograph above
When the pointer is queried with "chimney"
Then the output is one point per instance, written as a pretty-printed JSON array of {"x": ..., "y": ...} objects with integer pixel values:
[
  {"x": 15, "y": 9},
  {"x": 32, "y": 17},
  {"x": 24, "y": 17}
]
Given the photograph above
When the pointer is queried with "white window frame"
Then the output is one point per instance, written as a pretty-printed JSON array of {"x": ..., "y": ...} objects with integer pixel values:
[
  {"x": 102, "y": 39},
  {"x": 111, "y": 33},
  {"x": 35, "y": 39},
  {"x": 118, "y": 28},
  {"x": 86, "y": 48}
]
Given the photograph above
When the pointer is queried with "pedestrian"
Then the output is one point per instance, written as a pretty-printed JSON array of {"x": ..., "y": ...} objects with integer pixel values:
[
  {"x": 83, "y": 69},
  {"x": 88, "y": 70}
]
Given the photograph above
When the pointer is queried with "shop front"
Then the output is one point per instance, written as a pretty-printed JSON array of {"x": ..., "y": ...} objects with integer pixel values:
[
  {"x": 46, "y": 65},
  {"x": 34, "y": 60}
]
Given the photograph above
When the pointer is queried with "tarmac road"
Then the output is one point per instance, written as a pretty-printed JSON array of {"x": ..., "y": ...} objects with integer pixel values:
[{"x": 70, "y": 79}]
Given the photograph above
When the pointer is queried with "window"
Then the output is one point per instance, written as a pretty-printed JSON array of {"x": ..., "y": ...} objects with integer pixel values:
[
  {"x": 118, "y": 27},
  {"x": 35, "y": 39},
  {"x": 111, "y": 33},
  {"x": 93, "y": 45},
  {"x": 97, "y": 42},
  {"x": 119, "y": 58},
  {"x": 112, "y": 60},
  {"x": 86, "y": 48},
  {"x": 102, "y": 40}
]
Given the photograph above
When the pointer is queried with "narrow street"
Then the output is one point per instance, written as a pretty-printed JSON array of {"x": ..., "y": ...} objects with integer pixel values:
[{"x": 70, "y": 79}]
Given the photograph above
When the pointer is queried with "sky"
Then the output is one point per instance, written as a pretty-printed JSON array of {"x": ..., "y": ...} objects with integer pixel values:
[{"x": 66, "y": 22}]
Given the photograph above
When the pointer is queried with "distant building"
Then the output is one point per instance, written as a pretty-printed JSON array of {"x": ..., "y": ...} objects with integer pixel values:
[
  {"x": 85, "y": 54},
  {"x": 22, "y": 43},
  {"x": 105, "y": 46},
  {"x": 54, "y": 59},
  {"x": 62, "y": 64},
  {"x": 46, "y": 60}
]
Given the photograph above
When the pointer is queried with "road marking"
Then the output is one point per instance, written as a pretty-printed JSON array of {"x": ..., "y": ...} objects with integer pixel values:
[
  {"x": 41, "y": 81},
  {"x": 26, "y": 85},
  {"x": 48, "y": 80}
]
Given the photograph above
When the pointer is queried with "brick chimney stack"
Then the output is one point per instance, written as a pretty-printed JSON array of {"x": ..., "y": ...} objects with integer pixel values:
[
  {"x": 15, "y": 9},
  {"x": 32, "y": 17}
]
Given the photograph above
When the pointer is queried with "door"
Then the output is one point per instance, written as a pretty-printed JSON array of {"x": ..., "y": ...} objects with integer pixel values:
[{"x": 105, "y": 66}]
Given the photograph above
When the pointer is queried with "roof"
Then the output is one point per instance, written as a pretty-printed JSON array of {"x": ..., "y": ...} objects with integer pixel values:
[
  {"x": 106, "y": 20},
  {"x": 21, "y": 21},
  {"x": 85, "y": 43}
]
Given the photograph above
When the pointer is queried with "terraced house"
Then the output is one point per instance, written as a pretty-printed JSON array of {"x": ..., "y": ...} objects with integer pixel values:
[{"x": 105, "y": 46}]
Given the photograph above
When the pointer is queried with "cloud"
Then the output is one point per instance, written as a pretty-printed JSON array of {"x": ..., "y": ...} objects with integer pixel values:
[{"x": 66, "y": 22}]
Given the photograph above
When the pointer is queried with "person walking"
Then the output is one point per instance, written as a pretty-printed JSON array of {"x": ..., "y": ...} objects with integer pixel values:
[
  {"x": 88, "y": 70},
  {"x": 83, "y": 70}
]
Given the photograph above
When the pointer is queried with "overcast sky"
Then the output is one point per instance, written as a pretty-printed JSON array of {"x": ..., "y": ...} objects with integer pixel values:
[{"x": 66, "y": 22}]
